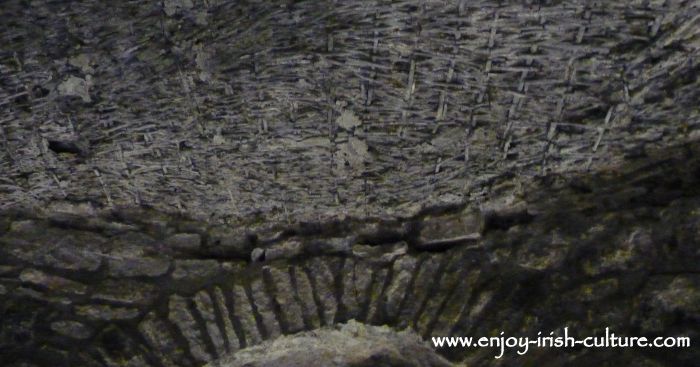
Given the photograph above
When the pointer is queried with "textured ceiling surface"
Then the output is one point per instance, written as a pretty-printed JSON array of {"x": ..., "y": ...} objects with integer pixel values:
[{"x": 327, "y": 108}]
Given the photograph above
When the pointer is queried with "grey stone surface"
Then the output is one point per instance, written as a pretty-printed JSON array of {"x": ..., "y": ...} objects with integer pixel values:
[
  {"x": 306, "y": 297},
  {"x": 681, "y": 295},
  {"x": 322, "y": 280},
  {"x": 454, "y": 229},
  {"x": 243, "y": 311},
  {"x": 180, "y": 315},
  {"x": 232, "y": 342},
  {"x": 403, "y": 271},
  {"x": 66, "y": 250},
  {"x": 29, "y": 293},
  {"x": 51, "y": 282},
  {"x": 360, "y": 286},
  {"x": 548, "y": 150},
  {"x": 286, "y": 249},
  {"x": 612, "y": 248},
  {"x": 129, "y": 292},
  {"x": 138, "y": 266},
  {"x": 257, "y": 255},
  {"x": 443, "y": 287},
  {"x": 454, "y": 308},
  {"x": 78, "y": 87},
  {"x": 205, "y": 306},
  {"x": 71, "y": 329},
  {"x": 195, "y": 270},
  {"x": 285, "y": 296},
  {"x": 157, "y": 335},
  {"x": 378, "y": 282},
  {"x": 263, "y": 304},
  {"x": 234, "y": 110},
  {"x": 349, "y": 298},
  {"x": 106, "y": 313},
  {"x": 416, "y": 297},
  {"x": 184, "y": 241},
  {"x": 351, "y": 344},
  {"x": 6, "y": 269}
]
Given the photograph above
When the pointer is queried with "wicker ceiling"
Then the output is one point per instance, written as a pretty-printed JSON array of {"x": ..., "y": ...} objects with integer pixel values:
[{"x": 315, "y": 108}]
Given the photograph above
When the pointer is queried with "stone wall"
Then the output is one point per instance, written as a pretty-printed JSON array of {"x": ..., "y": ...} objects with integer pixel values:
[
  {"x": 181, "y": 180},
  {"x": 135, "y": 287}
]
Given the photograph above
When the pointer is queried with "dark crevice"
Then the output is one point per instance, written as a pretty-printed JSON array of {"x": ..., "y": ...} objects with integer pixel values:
[
  {"x": 237, "y": 325},
  {"x": 270, "y": 292},
  {"x": 503, "y": 221},
  {"x": 219, "y": 316},
  {"x": 202, "y": 328},
  {"x": 264, "y": 333},
  {"x": 317, "y": 298}
]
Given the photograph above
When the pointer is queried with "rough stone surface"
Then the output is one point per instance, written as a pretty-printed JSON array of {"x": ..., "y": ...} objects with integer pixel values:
[
  {"x": 78, "y": 87},
  {"x": 106, "y": 313},
  {"x": 420, "y": 290},
  {"x": 205, "y": 307},
  {"x": 306, "y": 297},
  {"x": 285, "y": 299},
  {"x": 51, "y": 282},
  {"x": 255, "y": 109},
  {"x": 180, "y": 315},
  {"x": 442, "y": 231},
  {"x": 322, "y": 278},
  {"x": 404, "y": 270},
  {"x": 125, "y": 291},
  {"x": 184, "y": 241},
  {"x": 263, "y": 304},
  {"x": 351, "y": 344},
  {"x": 243, "y": 311},
  {"x": 157, "y": 335},
  {"x": 133, "y": 267},
  {"x": 71, "y": 329},
  {"x": 615, "y": 248},
  {"x": 196, "y": 270},
  {"x": 232, "y": 341},
  {"x": 546, "y": 151}
]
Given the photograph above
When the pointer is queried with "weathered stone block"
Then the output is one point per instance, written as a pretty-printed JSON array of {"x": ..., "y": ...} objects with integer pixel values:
[
  {"x": 137, "y": 266},
  {"x": 106, "y": 313},
  {"x": 125, "y": 291},
  {"x": 52, "y": 282},
  {"x": 285, "y": 297},
  {"x": 447, "y": 230},
  {"x": 243, "y": 310},
  {"x": 71, "y": 329},
  {"x": 195, "y": 270},
  {"x": 180, "y": 315},
  {"x": 184, "y": 242}
]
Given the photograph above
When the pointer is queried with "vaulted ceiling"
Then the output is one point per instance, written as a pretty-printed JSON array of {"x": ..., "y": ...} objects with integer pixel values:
[{"x": 299, "y": 109}]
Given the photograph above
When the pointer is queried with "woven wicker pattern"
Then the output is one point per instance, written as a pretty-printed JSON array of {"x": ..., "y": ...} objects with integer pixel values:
[{"x": 318, "y": 108}]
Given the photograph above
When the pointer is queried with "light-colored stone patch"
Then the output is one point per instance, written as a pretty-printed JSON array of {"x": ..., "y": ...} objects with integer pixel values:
[
  {"x": 348, "y": 120},
  {"x": 76, "y": 87},
  {"x": 82, "y": 61},
  {"x": 355, "y": 152}
]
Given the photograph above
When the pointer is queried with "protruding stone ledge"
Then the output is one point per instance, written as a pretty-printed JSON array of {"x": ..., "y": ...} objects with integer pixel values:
[
  {"x": 445, "y": 243},
  {"x": 51, "y": 282}
]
